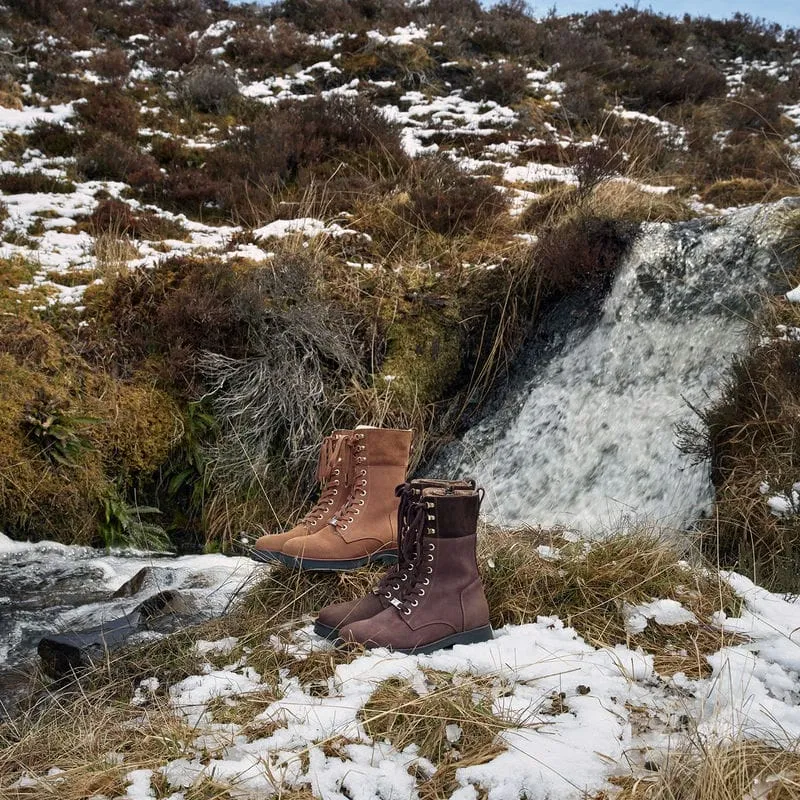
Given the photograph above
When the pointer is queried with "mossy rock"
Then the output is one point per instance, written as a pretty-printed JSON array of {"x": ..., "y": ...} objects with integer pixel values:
[
  {"x": 423, "y": 358},
  {"x": 145, "y": 427},
  {"x": 70, "y": 434}
]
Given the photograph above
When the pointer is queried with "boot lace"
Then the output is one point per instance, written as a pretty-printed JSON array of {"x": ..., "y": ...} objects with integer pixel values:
[
  {"x": 398, "y": 573},
  {"x": 355, "y": 500},
  {"x": 419, "y": 554},
  {"x": 332, "y": 471}
]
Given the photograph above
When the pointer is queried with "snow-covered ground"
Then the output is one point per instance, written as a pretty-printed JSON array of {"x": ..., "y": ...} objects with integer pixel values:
[{"x": 616, "y": 714}]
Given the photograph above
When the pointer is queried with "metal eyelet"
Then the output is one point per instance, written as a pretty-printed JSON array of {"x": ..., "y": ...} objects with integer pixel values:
[
  {"x": 426, "y": 582},
  {"x": 432, "y": 531},
  {"x": 430, "y": 570},
  {"x": 344, "y": 527},
  {"x": 429, "y": 505},
  {"x": 363, "y": 493},
  {"x": 350, "y": 519},
  {"x": 387, "y": 595},
  {"x": 356, "y": 511},
  {"x": 430, "y": 557},
  {"x": 336, "y": 472},
  {"x": 422, "y": 593},
  {"x": 432, "y": 546},
  {"x": 361, "y": 502},
  {"x": 407, "y": 612},
  {"x": 335, "y": 491},
  {"x": 395, "y": 586},
  {"x": 363, "y": 472},
  {"x": 415, "y": 602}
]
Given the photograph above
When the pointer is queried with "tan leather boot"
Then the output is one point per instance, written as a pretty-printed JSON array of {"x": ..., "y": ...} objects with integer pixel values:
[
  {"x": 333, "y": 616},
  {"x": 335, "y": 470},
  {"x": 365, "y": 528},
  {"x": 443, "y": 603}
]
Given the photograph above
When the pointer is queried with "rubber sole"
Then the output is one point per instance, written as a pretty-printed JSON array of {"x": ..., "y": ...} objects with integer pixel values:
[
  {"x": 325, "y": 631},
  {"x": 482, "y": 634},
  {"x": 320, "y": 565},
  {"x": 264, "y": 556}
]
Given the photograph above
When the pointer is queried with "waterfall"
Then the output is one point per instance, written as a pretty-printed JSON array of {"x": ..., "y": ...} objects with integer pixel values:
[{"x": 585, "y": 435}]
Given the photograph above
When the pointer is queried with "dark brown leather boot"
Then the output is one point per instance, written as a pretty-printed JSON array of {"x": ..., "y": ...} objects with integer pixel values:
[
  {"x": 335, "y": 470},
  {"x": 333, "y": 616},
  {"x": 365, "y": 527},
  {"x": 443, "y": 603}
]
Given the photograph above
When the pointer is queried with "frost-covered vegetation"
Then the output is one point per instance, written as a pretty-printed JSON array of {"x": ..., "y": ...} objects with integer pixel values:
[{"x": 226, "y": 230}]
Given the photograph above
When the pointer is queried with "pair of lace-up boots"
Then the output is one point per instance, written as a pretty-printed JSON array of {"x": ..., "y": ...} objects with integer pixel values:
[{"x": 432, "y": 597}]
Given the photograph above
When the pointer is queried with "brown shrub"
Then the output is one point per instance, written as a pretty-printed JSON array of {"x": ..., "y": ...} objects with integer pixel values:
[
  {"x": 735, "y": 192},
  {"x": 508, "y": 29},
  {"x": 111, "y": 64},
  {"x": 294, "y": 143},
  {"x": 582, "y": 100},
  {"x": 505, "y": 83},
  {"x": 118, "y": 218},
  {"x": 106, "y": 108},
  {"x": 209, "y": 89},
  {"x": 409, "y": 66},
  {"x": 580, "y": 252},
  {"x": 447, "y": 201},
  {"x": 53, "y": 138},
  {"x": 256, "y": 47},
  {"x": 33, "y": 182},
  {"x": 648, "y": 86},
  {"x": 311, "y": 16},
  {"x": 111, "y": 158},
  {"x": 174, "y": 50}
]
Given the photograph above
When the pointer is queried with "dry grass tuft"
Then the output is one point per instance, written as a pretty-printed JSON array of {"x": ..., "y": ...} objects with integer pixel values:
[
  {"x": 398, "y": 713},
  {"x": 589, "y": 587},
  {"x": 742, "y": 769},
  {"x": 113, "y": 251},
  {"x": 85, "y": 734}
]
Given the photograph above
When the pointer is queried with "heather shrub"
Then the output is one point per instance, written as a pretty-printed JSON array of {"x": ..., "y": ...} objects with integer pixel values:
[
  {"x": 33, "y": 182},
  {"x": 311, "y": 16},
  {"x": 106, "y": 108},
  {"x": 580, "y": 252},
  {"x": 111, "y": 64},
  {"x": 277, "y": 47},
  {"x": 582, "y": 101},
  {"x": 447, "y": 201},
  {"x": 53, "y": 138},
  {"x": 117, "y": 218},
  {"x": 174, "y": 50},
  {"x": 648, "y": 86},
  {"x": 752, "y": 437},
  {"x": 508, "y": 29},
  {"x": 407, "y": 65},
  {"x": 289, "y": 145},
  {"x": 209, "y": 89},
  {"x": 111, "y": 158},
  {"x": 505, "y": 83}
]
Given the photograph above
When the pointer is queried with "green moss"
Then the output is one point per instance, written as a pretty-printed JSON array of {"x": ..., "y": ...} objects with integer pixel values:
[
  {"x": 145, "y": 427},
  {"x": 71, "y": 435},
  {"x": 423, "y": 358}
]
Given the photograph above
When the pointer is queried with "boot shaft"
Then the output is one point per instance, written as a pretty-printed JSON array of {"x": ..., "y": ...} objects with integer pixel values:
[
  {"x": 451, "y": 513},
  {"x": 380, "y": 460}
]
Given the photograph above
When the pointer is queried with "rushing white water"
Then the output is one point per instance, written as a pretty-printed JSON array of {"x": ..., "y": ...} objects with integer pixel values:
[
  {"x": 48, "y": 587},
  {"x": 588, "y": 439}
]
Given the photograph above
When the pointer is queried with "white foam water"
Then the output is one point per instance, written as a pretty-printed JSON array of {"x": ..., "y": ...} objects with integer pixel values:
[{"x": 588, "y": 441}]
